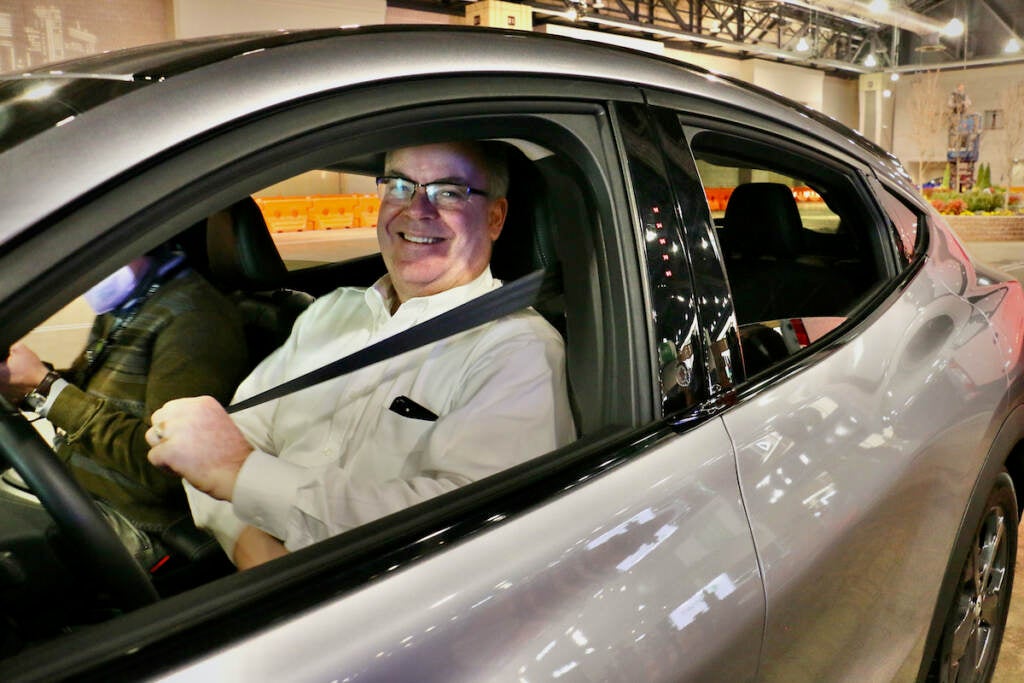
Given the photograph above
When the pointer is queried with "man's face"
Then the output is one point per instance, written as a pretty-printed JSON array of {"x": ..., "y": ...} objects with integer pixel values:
[{"x": 429, "y": 250}]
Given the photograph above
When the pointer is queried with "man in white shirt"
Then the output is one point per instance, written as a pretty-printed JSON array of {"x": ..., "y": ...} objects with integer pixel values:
[{"x": 288, "y": 473}]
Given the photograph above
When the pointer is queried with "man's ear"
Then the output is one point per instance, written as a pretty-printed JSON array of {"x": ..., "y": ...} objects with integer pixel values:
[{"x": 496, "y": 217}]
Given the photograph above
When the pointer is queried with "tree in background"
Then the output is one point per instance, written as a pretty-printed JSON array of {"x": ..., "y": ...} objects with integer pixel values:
[
  {"x": 945, "y": 177},
  {"x": 927, "y": 117},
  {"x": 984, "y": 176},
  {"x": 1012, "y": 102}
]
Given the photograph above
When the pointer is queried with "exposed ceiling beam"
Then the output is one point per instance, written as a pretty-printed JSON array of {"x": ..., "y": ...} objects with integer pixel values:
[
  {"x": 1001, "y": 18},
  {"x": 962, "y": 64},
  {"x": 733, "y": 46},
  {"x": 899, "y": 17}
]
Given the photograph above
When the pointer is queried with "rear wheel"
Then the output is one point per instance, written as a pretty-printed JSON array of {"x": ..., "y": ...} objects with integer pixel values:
[{"x": 974, "y": 624}]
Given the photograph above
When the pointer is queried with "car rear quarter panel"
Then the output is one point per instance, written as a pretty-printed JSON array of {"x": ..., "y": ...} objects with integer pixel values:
[{"x": 857, "y": 471}]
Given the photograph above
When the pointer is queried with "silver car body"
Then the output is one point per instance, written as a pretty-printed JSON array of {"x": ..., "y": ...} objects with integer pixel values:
[{"x": 801, "y": 531}]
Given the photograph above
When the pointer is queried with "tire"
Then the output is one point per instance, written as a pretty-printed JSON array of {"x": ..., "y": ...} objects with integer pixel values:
[{"x": 974, "y": 624}]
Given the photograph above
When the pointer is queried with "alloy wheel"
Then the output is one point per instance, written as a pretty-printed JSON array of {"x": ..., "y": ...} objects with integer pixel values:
[{"x": 981, "y": 602}]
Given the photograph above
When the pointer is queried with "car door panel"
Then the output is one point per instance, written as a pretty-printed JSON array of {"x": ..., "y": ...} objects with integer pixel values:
[
  {"x": 644, "y": 573},
  {"x": 843, "y": 501}
]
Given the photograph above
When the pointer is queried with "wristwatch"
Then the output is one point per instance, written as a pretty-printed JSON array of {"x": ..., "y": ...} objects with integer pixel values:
[{"x": 37, "y": 397}]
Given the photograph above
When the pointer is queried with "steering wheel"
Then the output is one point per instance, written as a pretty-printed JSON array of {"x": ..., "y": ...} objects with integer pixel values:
[{"x": 104, "y": 558}]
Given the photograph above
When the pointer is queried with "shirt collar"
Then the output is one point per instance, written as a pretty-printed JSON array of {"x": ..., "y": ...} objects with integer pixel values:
[{"x": 381, "y": 295}]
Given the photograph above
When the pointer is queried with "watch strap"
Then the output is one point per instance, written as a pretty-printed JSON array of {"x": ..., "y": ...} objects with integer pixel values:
[{"x": 37, "y": 397}]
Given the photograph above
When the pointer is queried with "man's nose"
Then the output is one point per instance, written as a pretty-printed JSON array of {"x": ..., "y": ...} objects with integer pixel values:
[{"x": 420, "y": 205}]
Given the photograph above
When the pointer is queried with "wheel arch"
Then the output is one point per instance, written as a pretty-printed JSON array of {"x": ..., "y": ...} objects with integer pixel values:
[
  {"x": 1015, "y": 466},
  {"x": 1006, "y": 452}
]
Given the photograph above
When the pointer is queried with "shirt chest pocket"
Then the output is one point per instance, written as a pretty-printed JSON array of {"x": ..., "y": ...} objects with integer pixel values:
[{"x": 402, "y": 438}]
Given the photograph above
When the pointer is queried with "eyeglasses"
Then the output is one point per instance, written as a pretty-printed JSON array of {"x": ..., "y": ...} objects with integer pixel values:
[{"x": 442, "y": 195}]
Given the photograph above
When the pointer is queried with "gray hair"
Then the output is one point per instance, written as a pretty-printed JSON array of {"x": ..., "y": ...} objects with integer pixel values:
[{"x": 495, "y": 158}]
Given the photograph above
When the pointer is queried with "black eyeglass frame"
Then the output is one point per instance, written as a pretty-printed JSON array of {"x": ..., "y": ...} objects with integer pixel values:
[{"x": 470, "y": 190}]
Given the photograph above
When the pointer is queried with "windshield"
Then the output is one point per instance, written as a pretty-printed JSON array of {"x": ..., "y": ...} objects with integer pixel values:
[{"x": 30, "y": 105}]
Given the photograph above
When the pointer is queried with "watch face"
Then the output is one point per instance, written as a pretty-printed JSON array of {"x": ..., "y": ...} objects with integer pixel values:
[{"x": 35, "y": 401}]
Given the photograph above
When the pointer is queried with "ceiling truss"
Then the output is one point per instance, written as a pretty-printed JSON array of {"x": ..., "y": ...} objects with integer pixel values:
[
  {"x": 726, "y": 26},
  {"x": 832, "y": 35}
]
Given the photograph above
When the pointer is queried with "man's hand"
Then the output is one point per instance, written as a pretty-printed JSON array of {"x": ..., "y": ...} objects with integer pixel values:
[
  {"x": 197, "y": 439},
  {"x": 20, "y": 373}
]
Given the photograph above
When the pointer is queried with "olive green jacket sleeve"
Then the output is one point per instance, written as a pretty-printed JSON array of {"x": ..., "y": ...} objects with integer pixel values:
[{"x": 186, "y": 341}]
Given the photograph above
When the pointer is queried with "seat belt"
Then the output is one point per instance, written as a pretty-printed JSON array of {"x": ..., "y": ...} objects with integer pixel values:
[{"x": 535, "y": 287}]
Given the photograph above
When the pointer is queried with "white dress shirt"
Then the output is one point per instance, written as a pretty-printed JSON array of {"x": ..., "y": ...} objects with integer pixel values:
[{"x": 334, "y": 456}]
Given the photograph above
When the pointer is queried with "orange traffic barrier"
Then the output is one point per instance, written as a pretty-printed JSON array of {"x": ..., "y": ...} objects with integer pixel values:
[
  {"x": 333, "y": 212},
  {"x": 285, "y": 214},
  {"x": 806, "y": 194},
  {"x": 319, "y": 212},
  {"x": 368, "y": 207},
  {"x": 717, "y": 197}
]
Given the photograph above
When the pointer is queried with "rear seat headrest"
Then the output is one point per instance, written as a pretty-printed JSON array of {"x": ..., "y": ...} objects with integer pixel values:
[{"x": 763, "y": 220}]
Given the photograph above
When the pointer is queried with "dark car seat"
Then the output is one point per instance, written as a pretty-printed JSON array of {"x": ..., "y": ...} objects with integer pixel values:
[
  {"x": 770, "y": 275},
  {"x": 549, "y": 226},
  {"x": 243, "y": 261},
  {"x": 525, "y": 243}
]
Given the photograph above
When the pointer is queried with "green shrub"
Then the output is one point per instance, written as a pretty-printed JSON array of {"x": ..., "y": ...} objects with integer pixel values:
[
  {"x": 983, "y": 199},
  {"x": 975, "y": 201}
]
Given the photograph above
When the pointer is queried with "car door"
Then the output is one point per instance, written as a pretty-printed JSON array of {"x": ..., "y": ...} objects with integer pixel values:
[
  {"x": 639, "y": 567},
  {"x": 625, "y": 555},
  {"x": 855, "y": 429}
]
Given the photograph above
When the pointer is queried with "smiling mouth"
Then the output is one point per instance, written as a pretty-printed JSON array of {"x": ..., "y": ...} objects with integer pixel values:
[{"x": 419, "y": 240}]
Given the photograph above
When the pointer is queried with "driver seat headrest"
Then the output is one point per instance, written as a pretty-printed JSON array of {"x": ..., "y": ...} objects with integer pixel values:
[
  {"x": 525, "y": 243},
  {"x": 240, "y": 251}
]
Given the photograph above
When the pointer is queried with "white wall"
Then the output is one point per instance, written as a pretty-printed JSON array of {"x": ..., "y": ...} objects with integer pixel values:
[
  {"x": 396, "y": 15},
  {"x": 194, "y": 18},
  {"x": 722, "y": 65},
  {"x": 834, "y": 96},
  {"x": 804, "y": 85},
  {"x": 839, "y": 100}
]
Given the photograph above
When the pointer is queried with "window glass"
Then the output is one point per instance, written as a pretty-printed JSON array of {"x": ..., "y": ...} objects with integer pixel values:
[
  {"x": 795, "y": 239},
  {"x": 719, "y": 182},
  {"x": 905, "y": 222},
  {"x": 321, "y": 216}
]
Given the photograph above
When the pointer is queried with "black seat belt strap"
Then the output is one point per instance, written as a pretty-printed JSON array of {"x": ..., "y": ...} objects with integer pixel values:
[{"x": 514, "y": 296}]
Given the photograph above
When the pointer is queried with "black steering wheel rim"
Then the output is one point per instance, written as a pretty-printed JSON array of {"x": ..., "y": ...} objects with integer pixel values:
[{"x": 80, "y": 522}]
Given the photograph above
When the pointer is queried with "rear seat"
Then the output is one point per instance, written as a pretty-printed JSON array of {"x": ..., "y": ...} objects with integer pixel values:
[{"x": 771, "y": 274}]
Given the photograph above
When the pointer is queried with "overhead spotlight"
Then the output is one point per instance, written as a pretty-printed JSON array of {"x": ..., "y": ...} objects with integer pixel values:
[
  {"x": 879, "y": 6},
  {"x": 953, "y": 29},
  {"x": 870, "y": 60},
  {"x": 887, "y": 93},
  {"x": 894, "y": 77},
  {"x": 802, "y": 45},
  {"x": 1012, "y": 46},
  {"x": 572, "y": 14}
]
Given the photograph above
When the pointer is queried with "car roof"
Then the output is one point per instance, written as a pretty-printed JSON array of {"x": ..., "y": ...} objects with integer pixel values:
[{"x": 198, "y": 85}]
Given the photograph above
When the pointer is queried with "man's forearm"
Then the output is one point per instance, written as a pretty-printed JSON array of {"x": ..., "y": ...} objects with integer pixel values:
[{"x": 254, "y": 547}]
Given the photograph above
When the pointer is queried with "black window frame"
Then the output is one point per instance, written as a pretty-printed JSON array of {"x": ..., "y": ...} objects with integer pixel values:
[{"x": 696, "y": 114}]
